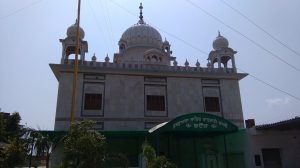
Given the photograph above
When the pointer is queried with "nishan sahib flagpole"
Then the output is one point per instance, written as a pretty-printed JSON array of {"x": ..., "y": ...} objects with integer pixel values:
[{"x": 75, "y": 76}]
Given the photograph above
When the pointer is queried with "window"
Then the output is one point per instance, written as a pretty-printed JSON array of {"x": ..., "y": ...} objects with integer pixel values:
[
  {"x": 93, "y": 101},
  {"x": 212, "y": 104},
  {"x": 155, "y": 103},
  {"x": 257, "y": 160},
  {"x": 271, "y": 158}
]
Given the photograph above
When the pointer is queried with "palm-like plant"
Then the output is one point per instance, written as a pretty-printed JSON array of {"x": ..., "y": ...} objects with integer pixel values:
[
  {"x": 40, "y": 144},
  {"x": 43, "y": 146}
]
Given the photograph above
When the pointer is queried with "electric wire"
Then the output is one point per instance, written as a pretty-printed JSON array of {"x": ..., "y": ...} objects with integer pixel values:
[
  {"x": 260, "y": 28},
  {"x": 108, "y": 28},
  {"x": 20, "y": 9},
  {"x": 190, "y": 45},
  {"x": 272, "y": 86},
  {"x": 246, "y": 37},
  {"x": 97, "y": 22},
  {"x": 183, "y": 41},
  {"x": 109, "y": 20},
  {"x": 203, "y": 52},
  {"x": 170, "y": 34}
]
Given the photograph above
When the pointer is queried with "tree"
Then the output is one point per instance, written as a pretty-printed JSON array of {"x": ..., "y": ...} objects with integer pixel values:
[
  {"x": 154, "y": 161},
  {"x": 43, "y": 146},
  {"x": 84, "y": 147},
  {"x": 2, "y": 129},
  {"x": 14, "y": 152},
  {"x": 10, "y": 127},
  {"x": 13, "y": 127}
]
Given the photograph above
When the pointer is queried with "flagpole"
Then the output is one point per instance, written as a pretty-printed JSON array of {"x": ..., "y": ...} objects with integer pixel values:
[{"x": 73, "y": 105}]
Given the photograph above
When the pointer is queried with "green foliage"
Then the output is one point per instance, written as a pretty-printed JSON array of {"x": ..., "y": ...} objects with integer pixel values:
[
  {"x": 10, "y": 127},
  {"x": 13, "y": 127},
  {"x": 154, "y": 161},
  {"x": 14, "y": 151},
  {"x": 83, "y": 146},
  {"x": 162, "y": 162},
  {"x": 116, "y": 160},
  {"x": 149, "y": 153},
  {"x": 61, "y": 165},
  {"x": 43, "y": 146},
  {"x": 2, "y": 128}
]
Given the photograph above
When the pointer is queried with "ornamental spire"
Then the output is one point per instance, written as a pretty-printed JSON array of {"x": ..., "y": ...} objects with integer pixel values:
[{"x": 141, "y": 21}]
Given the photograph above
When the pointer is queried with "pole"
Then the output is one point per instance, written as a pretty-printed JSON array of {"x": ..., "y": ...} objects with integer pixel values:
[{"x": 75, "y": 68}]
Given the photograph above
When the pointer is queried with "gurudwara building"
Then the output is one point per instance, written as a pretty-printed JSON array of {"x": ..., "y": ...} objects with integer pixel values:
[{"x": 191, "y": 114}]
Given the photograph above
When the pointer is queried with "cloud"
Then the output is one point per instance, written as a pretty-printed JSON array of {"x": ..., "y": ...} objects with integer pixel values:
[{"x": 278, "y": 102}]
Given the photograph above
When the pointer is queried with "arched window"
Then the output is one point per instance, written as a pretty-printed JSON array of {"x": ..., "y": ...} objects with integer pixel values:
[
  {"x": 154, "y": 58},
  {"x": 122, "y": 47},
  {"x": 166, "y": 49}
]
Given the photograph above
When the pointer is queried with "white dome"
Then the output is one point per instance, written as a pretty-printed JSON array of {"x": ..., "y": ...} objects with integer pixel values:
[
  {"x": 220, "y": 42},
  {"x": 72, "y": 31},
  {"x": 142, "y": 35}
]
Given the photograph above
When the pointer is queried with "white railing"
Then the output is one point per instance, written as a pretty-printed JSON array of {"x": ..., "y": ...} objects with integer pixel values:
[{"x": 149, "y": 67}]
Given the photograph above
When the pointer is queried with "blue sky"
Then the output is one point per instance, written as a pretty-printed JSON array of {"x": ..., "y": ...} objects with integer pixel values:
[{"x": 30, "y": 31}]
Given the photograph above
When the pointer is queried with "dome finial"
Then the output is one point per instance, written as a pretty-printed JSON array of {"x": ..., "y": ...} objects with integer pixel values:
[
  {"x": 186, "y": 63},
  {"x": 106, "y": 59},
  {"x": 94, "y": 58},
  {"x": 141, "y": 21},
  {"x": 197, "y": 64},
  {"x": 219, "y": 34}
]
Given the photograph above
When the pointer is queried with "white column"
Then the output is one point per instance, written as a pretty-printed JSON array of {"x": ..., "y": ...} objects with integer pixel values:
[
  {"x": 63, "y": 54},
  {"x": 233, "y": 62},
  {"x": 82, "y": 54},
  {"x": 219, "y": 61}
]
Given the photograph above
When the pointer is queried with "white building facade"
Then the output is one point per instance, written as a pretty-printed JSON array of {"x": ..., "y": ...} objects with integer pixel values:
[{"x": 143, "y": 85}]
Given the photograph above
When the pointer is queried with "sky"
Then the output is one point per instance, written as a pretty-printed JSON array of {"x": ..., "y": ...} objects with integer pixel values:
[{"x": 30, "y": 31}]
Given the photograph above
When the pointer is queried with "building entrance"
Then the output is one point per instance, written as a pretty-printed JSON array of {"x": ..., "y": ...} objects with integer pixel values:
[
  {"x": 211, "y": 161},
  {"x": 199, "y": 140}
]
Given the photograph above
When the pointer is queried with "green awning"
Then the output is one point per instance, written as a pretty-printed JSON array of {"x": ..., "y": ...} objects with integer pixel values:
[
  {"x": 196, "y": 124},
  {"x": 113, "y": 134}
]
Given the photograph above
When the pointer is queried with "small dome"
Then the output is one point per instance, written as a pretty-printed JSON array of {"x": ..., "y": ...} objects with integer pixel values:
[
  {"x": 166, "y": 42},
  {"x": 94, "y": 58},
  {"x": 142, "y": 35},
  {"x": 220, "y": 42},
  {"x": 72, "y": 31},
  {"x": 186, "y": 63},
  {"x": 197, "y": 63}
]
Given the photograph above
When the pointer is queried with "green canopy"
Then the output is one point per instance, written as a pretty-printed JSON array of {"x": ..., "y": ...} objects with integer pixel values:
[{"x": 196, "y": 124}]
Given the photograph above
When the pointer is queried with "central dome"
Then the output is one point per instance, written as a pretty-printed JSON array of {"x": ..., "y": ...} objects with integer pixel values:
[
  {"x": 142, "y": 35},
  {"x": 142, "y": 44}
]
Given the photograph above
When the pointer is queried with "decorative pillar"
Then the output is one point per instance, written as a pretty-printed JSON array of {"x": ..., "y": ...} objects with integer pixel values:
[
  {"x": 233, "y": 62},
  {"x": 63, "y": 55},
  {"x": 219, "y": 61}
]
